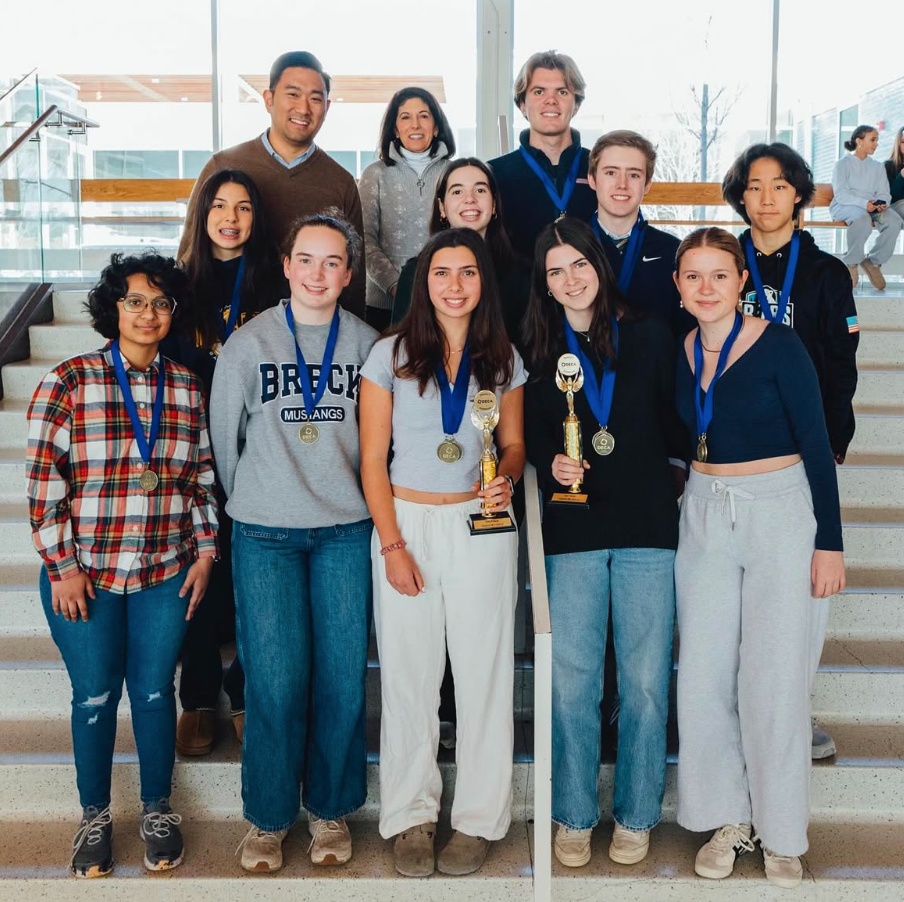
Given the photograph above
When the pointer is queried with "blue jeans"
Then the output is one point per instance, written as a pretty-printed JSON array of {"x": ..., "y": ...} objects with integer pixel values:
[
  {"x": 303, "y": 612},
  {"x": 136, "y": 637},
  {"x": 640, "y": 585}
]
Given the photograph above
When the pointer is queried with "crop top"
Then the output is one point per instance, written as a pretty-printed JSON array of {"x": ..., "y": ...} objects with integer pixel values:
[
  {"x": 417, "y": 426},
  {"x": 768, "y": 404}
]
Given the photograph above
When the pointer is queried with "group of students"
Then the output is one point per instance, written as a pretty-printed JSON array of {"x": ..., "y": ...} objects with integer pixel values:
[{"x": 348, "y": 472}]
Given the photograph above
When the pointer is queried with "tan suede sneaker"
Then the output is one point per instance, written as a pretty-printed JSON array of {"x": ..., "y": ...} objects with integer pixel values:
[
  {"x": 462, "y": 855},
  {"x": 195, "y": 733},
  {"x": 262, "y": 850},
  {"x": 331, "y": 842},
  {"x": 413, "y": 851}
]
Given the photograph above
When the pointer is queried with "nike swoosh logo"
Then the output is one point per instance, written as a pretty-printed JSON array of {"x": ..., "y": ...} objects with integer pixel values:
[{"x": 651, "y": 259}]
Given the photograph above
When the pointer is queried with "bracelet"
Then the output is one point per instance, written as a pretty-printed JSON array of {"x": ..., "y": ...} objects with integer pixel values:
[
  {"x": 395, "y": 546},
  {"x": 511, "y": 483}
]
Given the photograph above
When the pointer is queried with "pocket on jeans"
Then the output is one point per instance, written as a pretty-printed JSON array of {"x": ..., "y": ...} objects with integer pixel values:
[
  {"x": 350, "y": 529},
  {"x": 271, "y": 533}
]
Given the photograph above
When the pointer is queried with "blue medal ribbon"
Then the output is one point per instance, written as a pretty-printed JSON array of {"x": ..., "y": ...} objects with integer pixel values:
[
  {"x": 705, "y": 410},
  {"x": 235, "y": 304},
  {"x": 454, "y": 400},
  {"x": 765, "y": 308},
  {"x": 145, "y": 443},
  {"x": 599, "y": 395},
  {"x": 632, "y": 251},
  {"x": 312, "y": 396},
  {"x": 560, "y": 200}
]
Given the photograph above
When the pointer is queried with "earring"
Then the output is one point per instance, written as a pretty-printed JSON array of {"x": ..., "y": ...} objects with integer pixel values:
[
  {"x": 495, "y": 215},
  {"x": 443, "y": 219},
  {"x": 681, "y": 304},
  {"x": 549, "y": 293}
]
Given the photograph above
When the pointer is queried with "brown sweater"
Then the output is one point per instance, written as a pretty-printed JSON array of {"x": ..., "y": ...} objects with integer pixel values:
[{"x": 310, "y": 187}]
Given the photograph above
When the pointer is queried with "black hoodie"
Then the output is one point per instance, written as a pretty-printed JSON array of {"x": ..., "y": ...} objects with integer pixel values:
[{"x": 822, "y": 312}]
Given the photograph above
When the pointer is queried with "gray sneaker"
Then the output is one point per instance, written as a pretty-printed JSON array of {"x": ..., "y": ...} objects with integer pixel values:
[
  {"x": 92, "y": 845},
  {"x": 823, "y": 745},
  {"x": 159, "y": 828}
]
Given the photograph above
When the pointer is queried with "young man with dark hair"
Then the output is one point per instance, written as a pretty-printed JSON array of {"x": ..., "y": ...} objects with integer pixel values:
[
  {"x": 643, "y": 257},
  {"x": 546, "y": 176},
  {"x": 794, "y": 282},
  {"x": 294, "y": 176}
]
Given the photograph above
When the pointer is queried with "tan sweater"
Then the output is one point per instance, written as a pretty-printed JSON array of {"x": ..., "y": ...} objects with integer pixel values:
[{"x": 310, "y": 187}]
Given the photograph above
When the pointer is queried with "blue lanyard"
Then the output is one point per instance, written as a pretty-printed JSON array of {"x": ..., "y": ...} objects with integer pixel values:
[
  {"x": 229, "y": 327},
  {"x": 312, "y": 397},
  {"x": 599, "y": 396},
  {"x": 560, "y": 200},
  {"x": 454, "y": 400},
  {"x": 632, "y": 251},
  {"x": 765, "y": 308},
  {"x": 145, "y": 444},
  {"x": 705, "y": 411}
]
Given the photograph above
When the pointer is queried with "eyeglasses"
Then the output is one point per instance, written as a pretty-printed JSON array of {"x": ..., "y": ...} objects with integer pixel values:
[{"x": 136, "y": 303}]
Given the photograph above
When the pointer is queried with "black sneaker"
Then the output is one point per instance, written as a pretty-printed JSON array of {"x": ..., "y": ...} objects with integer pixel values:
[
  {"x": 92, "y": 845},
  {"x": 159, "y": 828}
]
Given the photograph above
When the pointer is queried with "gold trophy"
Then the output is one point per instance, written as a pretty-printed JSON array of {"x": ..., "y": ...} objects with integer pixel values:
[
  {"x": 569, "y": 379},
  {"x": 485, "y": 416}
]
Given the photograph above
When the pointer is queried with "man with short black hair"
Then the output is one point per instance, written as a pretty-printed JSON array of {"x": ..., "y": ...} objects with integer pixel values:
[
  {"x": 294, "y": 176},
  {"x": 546, "y": 176}
]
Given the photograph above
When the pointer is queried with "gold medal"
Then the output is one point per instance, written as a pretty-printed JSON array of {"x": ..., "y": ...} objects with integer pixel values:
[
  {"x": 603, "y": 442},
  {"x": 309, "y": 433},
  {"x": 148, "y": 480},
  {"x": 449, "y": 451},
  {"x": 702, "y": 452}
]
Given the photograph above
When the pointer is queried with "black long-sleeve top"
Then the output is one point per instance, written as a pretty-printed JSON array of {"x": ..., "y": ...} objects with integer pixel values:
[
  {"x": 822, "y": 312},
  {"x": 767, "y": 404},
  {"x": 631, "y": 492}
]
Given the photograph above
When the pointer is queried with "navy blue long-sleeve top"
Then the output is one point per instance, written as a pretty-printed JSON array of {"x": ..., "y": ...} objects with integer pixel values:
[{"x": 768, "y": 404}]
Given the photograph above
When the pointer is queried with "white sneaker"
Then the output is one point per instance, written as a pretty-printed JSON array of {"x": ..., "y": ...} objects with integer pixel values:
[
  {"x": 783, "y": 870},
  {"x": 572, "y": 847},
  {"x": 331, "y": 842},
  {"x": 629, "y": 846},
  {"x": 716, "y": 858},
  {"x": 823, "y": 746},
  {"x": 262, "y": 850}
]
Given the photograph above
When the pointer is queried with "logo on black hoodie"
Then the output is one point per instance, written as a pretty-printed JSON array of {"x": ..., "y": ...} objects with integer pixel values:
[{"x": 750, "y": 305}]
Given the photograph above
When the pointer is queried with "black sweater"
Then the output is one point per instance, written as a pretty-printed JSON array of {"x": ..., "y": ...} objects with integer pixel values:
[
  {"x": 652, "y": 287},
  {"x": 895, "y": 181},
  {"x": 631, "y": 492},
  {"x": 822, "y": 312},
  {"x": 526, "y": 207},
  {"x": 766, "y": 405}
]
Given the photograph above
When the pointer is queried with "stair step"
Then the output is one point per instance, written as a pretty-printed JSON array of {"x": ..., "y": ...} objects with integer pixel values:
[
  {"x": 880, "y": 313},
  {"x": 881, "y": 348},
  {"x": 865, "y": 615},
  {"x": 13, "y": 425},
  {"x": 20, "y": 379},
  {"x": 12, "y": 474},
  {"x": 59, "y": 341},
  {"x": 879, "y": 391},
  {"x": 863, "y": 486},
  {"x": 877, "y": 434},
  {"x": 68, "y": 306}
]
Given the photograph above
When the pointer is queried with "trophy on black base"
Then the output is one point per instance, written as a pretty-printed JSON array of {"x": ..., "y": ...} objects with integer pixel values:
[
  {"x": 569, "y": 379},
  {"x": 485, "y": 416}
]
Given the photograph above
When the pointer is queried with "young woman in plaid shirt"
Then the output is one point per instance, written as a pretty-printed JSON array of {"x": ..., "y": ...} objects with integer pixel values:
[{"x": 123, "y": 513}]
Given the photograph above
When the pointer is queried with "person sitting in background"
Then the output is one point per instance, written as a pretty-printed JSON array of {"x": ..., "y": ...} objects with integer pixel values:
[
  {"x": 416, "y": 142},
  {"x": 467, "y": 197},
  {"x": 861, "y": 199},
  {"x": 894, "y": 169},
  {"x": 123, "y": 512}
]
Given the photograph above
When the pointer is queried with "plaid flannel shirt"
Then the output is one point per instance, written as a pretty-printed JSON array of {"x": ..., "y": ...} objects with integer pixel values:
[{"x": 87, "y": 509}]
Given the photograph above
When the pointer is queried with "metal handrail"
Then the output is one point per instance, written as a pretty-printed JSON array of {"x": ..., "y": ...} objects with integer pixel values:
[
  {"x": 63, "y": 117},
  {"x": 542, "y": 690},
  {"x": 9, "y": 91}
]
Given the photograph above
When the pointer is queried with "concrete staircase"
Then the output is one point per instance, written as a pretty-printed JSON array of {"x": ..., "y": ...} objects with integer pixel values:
[{"x": 857, "y": 849}]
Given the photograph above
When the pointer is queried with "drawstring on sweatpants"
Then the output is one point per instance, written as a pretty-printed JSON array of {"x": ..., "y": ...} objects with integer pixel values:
[{"x": 728, "y": 493}]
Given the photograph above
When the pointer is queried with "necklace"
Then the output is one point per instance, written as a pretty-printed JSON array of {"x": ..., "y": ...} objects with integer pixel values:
[{"x": 717, "y": 350}]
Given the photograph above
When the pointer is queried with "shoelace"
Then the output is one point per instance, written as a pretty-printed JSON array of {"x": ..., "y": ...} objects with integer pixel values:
[
  {"x": 326, "y": 826},
  {"x": 731, "y": 837},
  {"x": 252, "y": 832},
  {"x": 158, "y": 823},
  {"x": 728, "y": 493},
  {"x": 90, "y": 832}
]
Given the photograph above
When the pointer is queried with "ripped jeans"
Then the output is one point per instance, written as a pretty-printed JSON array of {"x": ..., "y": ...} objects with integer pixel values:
[{"x": 136, "y": 637}]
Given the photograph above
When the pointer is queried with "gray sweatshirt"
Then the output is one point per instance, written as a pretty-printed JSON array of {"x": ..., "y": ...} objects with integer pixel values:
[
  {"x": 257, "y": 410},
  {"x": 855, "y": 182},
  {"x": 396, "y": 203}
]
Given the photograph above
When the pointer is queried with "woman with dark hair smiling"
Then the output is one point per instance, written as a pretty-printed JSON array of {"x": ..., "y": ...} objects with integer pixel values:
[
  {"x": 467, "y": 197},
  {"x": 123, "y": 513},
  {"x": 616, "y": 550},
  {"x": 233, "y": 273},
  {"x": 416, "y": 141},
  {"x": 434, "y": 582}
]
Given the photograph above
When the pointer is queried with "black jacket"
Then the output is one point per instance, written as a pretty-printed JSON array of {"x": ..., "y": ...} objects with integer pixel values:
[
  {"x": 822, "y": 312},
  {"x": 526, "y": 207},
  {"x": 895, "y": 181},
  {"x": 652, "y": 287}
]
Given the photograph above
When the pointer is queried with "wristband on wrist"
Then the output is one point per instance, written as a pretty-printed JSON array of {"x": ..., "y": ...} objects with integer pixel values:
[
  {"x": 394, "y": 546},
  {"x": 511, "y": 483}
]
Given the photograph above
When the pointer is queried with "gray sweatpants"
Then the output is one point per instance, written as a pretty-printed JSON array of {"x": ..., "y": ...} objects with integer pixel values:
[
  {"x": 748, "y": 630},
  {"x": 860, "y": 225}
]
